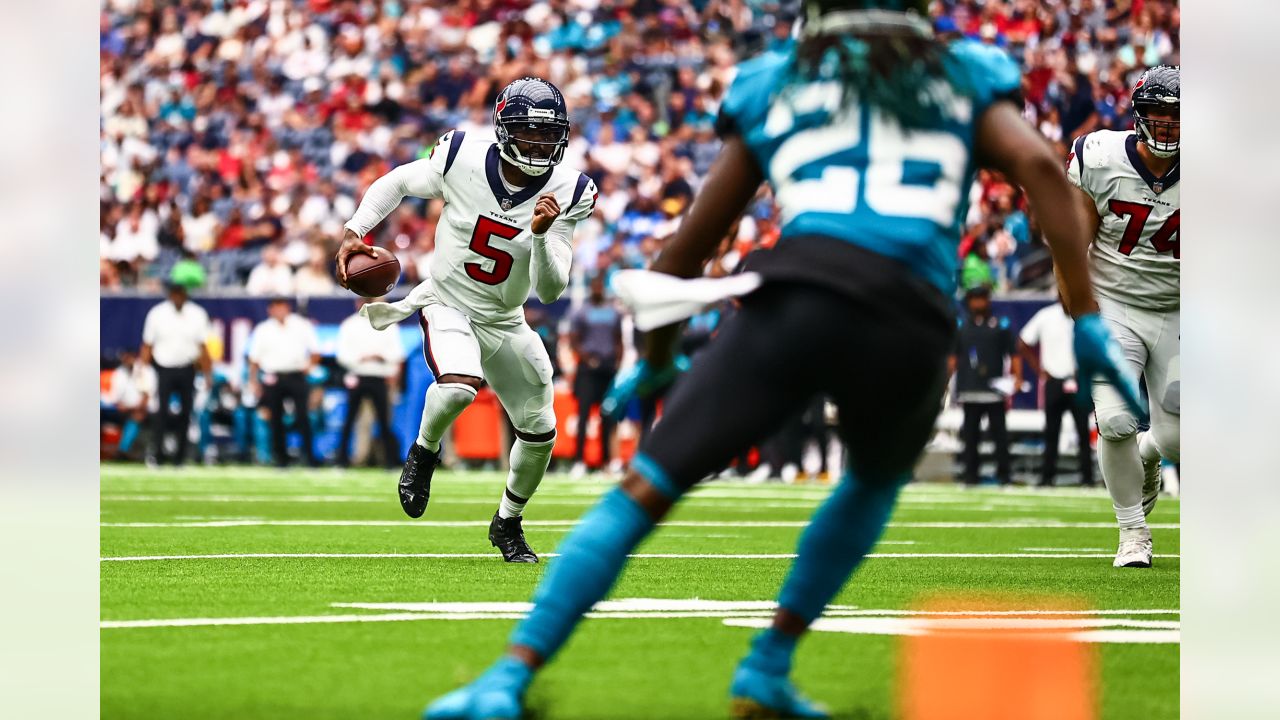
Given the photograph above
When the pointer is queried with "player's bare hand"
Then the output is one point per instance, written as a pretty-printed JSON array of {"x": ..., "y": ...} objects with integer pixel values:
[
  {"x": 544, "y": 212},
  {"x": 351, "y": 245}
]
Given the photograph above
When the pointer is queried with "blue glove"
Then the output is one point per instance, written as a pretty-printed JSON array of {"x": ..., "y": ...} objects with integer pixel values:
[
  {"x": 1097, "y": 353},
  {"x": 641, "y": 380}
]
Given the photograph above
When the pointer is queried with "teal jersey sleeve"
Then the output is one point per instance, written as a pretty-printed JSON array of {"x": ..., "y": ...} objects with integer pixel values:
[
  {"x": 987, "y": 72},
  {"x": 747, "y": 100}
]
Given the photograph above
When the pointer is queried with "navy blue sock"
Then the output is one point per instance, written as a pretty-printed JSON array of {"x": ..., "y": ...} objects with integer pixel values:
[
  {"x": 841, "y": 533},
  {"x": 591, "y": 558}
]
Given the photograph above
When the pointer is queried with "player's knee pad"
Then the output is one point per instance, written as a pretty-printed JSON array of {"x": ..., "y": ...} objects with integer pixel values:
[
  {"x": 536, "y": 419},
  {"x": 452, "y": 395},
  {"x": 1117, "y": 426}
]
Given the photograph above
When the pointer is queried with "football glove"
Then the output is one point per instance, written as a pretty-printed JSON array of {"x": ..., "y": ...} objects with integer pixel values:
[
  {"x": 640, "y": 380},
  {"x": 1098, "y": 354}
]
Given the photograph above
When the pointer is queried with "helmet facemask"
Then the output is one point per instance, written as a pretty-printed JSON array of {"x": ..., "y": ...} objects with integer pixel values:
[
  {"x": 1150, "y": 128},
  {"x": 543, "y": 141}
]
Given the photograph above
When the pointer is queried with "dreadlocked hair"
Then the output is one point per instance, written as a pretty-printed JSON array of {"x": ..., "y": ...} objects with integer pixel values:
[{"x": 882, "y": 52}]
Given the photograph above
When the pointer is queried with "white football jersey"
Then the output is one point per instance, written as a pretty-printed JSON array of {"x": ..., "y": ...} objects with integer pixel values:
[
  {"x": 1135, "y": 258},
  {"x": 481, "y": 265}
]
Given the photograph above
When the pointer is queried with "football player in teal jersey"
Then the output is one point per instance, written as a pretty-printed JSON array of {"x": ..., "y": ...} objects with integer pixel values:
[{"x": 870, "y": 131}]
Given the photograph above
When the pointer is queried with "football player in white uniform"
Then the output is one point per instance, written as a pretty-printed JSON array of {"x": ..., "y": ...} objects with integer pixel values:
[
  {"x": 502, "y": 233},
  {"x": 1130, "y": 190}
]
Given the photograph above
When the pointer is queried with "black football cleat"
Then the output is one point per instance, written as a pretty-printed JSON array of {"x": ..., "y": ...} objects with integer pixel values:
[
  {"x": 415, "y": 480},
  {"x": 508, "y": 536}
]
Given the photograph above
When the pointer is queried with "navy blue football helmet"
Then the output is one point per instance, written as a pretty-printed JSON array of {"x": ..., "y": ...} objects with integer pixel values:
[
  {"x": 1159, "y": 89},
  {"x": 532, "y": 125}
]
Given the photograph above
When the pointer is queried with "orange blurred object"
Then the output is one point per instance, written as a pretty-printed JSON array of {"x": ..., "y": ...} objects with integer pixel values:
[
  {"x": 477, "y": 432},
  {"x": 957, "y": 670}
]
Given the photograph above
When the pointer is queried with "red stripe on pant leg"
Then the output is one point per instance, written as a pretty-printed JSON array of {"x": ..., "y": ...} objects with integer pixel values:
[{"x": 426, "y": 346}]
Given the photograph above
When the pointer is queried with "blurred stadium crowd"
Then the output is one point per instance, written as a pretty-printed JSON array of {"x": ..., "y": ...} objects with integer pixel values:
[{"x": 238, "y": 135}]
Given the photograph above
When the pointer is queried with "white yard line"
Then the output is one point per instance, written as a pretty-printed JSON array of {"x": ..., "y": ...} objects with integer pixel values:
[
  {"x": 140, "y": 475},
  {"x": 676, "y": 604},
  {"x": 1085, "y": 630},
  {"x": 1061, "y": 549},
  {"x": 1103, "y": 624},
  {"x": 744, "y": 503},
  {"x": 990, "y": 524},
  {"x": 293, "y": 620},
  {"x": 647, "y": 556}
]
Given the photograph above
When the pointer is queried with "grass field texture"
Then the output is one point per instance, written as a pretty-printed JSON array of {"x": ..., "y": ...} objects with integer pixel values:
[{"x": 250, "y": 593}]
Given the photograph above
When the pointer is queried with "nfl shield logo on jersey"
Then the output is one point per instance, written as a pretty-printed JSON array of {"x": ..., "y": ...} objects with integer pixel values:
[
  {"x": 1157, "y": 186},
  {"x": 506, "y": 203}
]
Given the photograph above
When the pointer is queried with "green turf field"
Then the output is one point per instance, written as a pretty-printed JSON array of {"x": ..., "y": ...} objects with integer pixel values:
[{"x": 248, "y": 593}]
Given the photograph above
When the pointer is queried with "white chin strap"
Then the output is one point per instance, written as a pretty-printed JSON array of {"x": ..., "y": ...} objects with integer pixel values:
[
  {"x": 523, "y": 164},
  {"x": 1151, "y": 145}
]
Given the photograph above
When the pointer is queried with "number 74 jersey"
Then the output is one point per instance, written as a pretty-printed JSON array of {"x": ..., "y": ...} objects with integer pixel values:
[{"x": 1135, "y": 257}]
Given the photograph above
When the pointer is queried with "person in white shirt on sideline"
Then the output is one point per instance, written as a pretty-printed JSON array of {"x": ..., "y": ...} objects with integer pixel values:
[
  {"x": 372, "y": 359},
  {"x": 1053, "y": 329},
  {"x": 272, "y": 276},
  {"x": 284, "y": 348},
  {"x": 173, "y": 339},
  {"x": 130, "y": 399}
]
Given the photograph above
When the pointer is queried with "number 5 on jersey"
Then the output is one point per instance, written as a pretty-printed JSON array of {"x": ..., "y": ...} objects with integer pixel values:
[{"x": 487, "y": 228}]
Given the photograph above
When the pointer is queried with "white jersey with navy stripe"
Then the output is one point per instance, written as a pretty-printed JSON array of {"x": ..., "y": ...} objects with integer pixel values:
[
  {"x": 1135, "y": 257},
  {"x": 482, "y": 263}
]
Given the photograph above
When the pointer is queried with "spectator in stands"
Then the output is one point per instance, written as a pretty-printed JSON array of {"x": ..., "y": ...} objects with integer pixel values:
[
  {"x": 173, "y": 338},
  {"x": 1052, "y": 329},
  {"x": 595, "y": 337},
  {"x": 372, "y": 360},
  {"x": 271, "y": 276},
  {"x": 282, "y": 351},
  {"x": 266, "y": 119},
  {"x": 315, "y": 278},
  {"x": 136, "y": 241},
  {"x": 984, "y": 347}
]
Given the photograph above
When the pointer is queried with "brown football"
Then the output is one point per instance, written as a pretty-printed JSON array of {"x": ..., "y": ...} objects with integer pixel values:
[{"x": 373, "y": 276}]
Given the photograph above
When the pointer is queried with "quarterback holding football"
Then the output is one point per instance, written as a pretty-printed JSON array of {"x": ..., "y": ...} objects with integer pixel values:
[{"x": 507, "y": 227}]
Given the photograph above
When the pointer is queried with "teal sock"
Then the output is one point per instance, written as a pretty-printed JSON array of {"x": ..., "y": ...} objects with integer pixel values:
[
  {"x": 591, "y": 558},
  {"x": 771, "y": 652},
  {"x": 842, "y": 532},
  {"x": 128, "y": 435}
]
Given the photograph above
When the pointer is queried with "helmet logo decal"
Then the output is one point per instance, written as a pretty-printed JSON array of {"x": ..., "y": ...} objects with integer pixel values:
[{"x": 502, "y": 103}]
